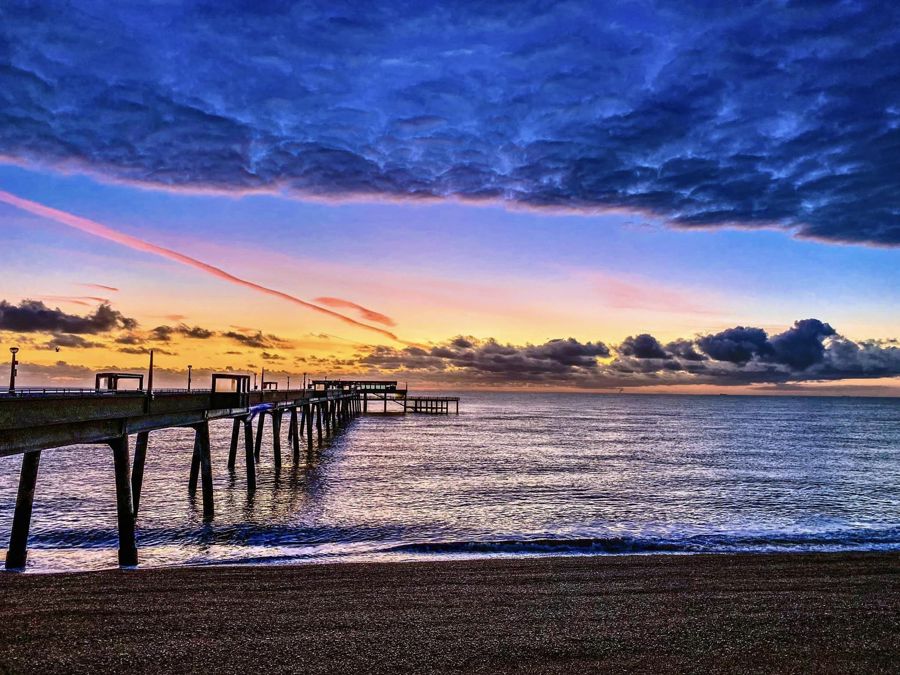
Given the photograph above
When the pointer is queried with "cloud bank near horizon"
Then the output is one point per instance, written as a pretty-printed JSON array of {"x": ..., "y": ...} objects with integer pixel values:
[
  {"x": 810, "y": 350},
  {"x": 776, "y": 113}
]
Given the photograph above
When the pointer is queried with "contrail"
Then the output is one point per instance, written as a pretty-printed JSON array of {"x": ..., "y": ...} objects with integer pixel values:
[
  {"x": 365, "y": 312},
  {"x": 104, "y": 232}
]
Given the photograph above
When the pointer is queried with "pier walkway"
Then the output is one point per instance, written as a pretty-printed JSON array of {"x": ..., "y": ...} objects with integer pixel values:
[{"x": 33, "y": 420}]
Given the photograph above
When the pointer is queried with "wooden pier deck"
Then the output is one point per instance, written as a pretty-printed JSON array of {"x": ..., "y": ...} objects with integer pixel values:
[{"x": 34, "y": 420}]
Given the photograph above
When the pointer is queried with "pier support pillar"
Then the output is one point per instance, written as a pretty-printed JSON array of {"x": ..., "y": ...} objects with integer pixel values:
[
  {"x": 18, "y": 540},
  {"x": 260, "y": 425},
  {"x": 319, "y": 422},
  {"x": 366, "y": 402},
  {"x": 124, "y": 506},
  {"x": 295, "y": 436},
  {"x": 137, "y": 469},
  {"x": 201, "y": 445},
  {"x": 235, "y": 436},
  {"x": 307, "y": 414},
  {"x": 250, "y": 457},
  {"x": 276, "y": 437},
  {"x": 327, "y": 416}
]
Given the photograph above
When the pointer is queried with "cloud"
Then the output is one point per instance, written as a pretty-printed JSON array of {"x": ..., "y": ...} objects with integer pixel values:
[
  {"x": 769, "y": 114},
  {"x": 266, "y": 356},
  {"x": 71, "y": 342},
  {"x": 364, "y": 312},
  {"x": 492, "y": 360},
  {"x": 257, "y": 339},
  {"x": 31, "y": 316},
  {"x": 810, "y": 350},
  {"x": 165, "y": 333},
  {"x": 146, "y": 350},
  {"x": 643, "y": 347}
]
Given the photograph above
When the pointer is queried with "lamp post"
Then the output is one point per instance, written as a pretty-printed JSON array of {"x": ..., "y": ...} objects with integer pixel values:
[
  {"x": 289, "y": 383},
  {"x": 12, "y": 369},
  {"x": 189, "y": 376}
]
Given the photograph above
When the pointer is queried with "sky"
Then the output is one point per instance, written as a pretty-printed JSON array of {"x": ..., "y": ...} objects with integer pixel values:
[{"x": 651, "y": 196}]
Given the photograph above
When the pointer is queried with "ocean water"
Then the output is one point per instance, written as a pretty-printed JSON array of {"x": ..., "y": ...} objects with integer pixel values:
[{"x": 513, "y": 474}]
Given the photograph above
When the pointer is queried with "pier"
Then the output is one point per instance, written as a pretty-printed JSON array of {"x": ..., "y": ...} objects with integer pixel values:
[{"x": 33, "y": 420}]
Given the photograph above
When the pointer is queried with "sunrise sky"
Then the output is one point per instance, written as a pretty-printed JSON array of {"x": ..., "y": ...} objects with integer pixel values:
[{"x": 498, "y": 205}]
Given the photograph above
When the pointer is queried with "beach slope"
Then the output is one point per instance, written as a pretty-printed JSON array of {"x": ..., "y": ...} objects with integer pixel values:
[{"x": 801, "y": 612}]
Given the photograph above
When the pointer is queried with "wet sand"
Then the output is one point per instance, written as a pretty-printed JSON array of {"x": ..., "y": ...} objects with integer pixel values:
[{"x": 786, "y": 613}]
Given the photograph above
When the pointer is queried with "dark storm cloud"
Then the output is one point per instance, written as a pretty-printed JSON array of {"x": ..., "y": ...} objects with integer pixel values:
[
  {"x": 489, "y": 359},
  {"x": 33, "y": 316},
  {"x": 165, "y": 333},
  {"x": 67, "y": 341},
  {"x": 643, "y": 346},
  {"x": 258, "y": 340},
  {"x": 736, "y": 345},
  {"x": 810, "y": 350},
  {"x": 761, "y": 114}
]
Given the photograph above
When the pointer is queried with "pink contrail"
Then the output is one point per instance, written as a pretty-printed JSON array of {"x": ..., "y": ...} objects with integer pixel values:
[
  {"x": 368, "y": 314},
  {"x": 101, "y": 287},
  {"x": 104, "y": 232}
]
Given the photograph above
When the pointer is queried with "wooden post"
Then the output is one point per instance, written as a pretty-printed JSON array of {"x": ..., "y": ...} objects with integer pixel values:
[
  {"x": 124, "y": 506},
  {"x": 276, "y": 437},
  {"x": 202, "y": 435},
  {"x": 250, "y": 457},
  {"x": 366, "y": 402},
  {"x": 18, "y": 540},
  {"x": 327, "y": 416},
  {"x": 295, "y": 435},
  {"x": 235, "y": 434},
  {"x": 137, "y": 471},
  {"x": 385, "y": 401}
]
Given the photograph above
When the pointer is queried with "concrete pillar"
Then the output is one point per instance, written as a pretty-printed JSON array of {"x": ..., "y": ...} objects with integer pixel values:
[
  {"x": 235, "y": 435},
  {"x": 250, "y": 457},
  {"x": 124, "y": 506},
  {"x": 18, "y": 540},
  {"x": 137, "y": 471}
]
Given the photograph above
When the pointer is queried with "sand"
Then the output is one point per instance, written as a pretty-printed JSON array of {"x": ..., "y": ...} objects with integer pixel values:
[{"x": 786, "y": 613}]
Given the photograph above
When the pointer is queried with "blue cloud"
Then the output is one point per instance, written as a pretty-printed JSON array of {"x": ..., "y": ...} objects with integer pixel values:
[{"x": 783, "y": 114}]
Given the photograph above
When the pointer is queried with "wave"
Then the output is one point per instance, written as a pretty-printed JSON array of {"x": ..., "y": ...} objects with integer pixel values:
[{"x": 883, "y": 540}]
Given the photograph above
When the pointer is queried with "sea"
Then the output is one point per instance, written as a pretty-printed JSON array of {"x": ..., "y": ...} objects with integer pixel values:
[{"x": 511, "y": 475}]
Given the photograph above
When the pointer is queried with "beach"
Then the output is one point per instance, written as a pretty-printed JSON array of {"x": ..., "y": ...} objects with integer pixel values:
[{"x": 835, "y": 612}]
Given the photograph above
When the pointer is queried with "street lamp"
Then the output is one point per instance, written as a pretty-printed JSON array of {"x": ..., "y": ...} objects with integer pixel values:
[
  {"x": 12, "y": 369},
  {"x": 189, "y": 376}
]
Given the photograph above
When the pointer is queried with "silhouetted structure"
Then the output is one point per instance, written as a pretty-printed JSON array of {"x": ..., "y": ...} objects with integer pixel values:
[{"x": 32, "y": 420}]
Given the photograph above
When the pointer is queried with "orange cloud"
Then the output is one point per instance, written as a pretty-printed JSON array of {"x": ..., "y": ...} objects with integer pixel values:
[
  {"x": 365, "y": 312},
  {"x": 98, "y": 230}
]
